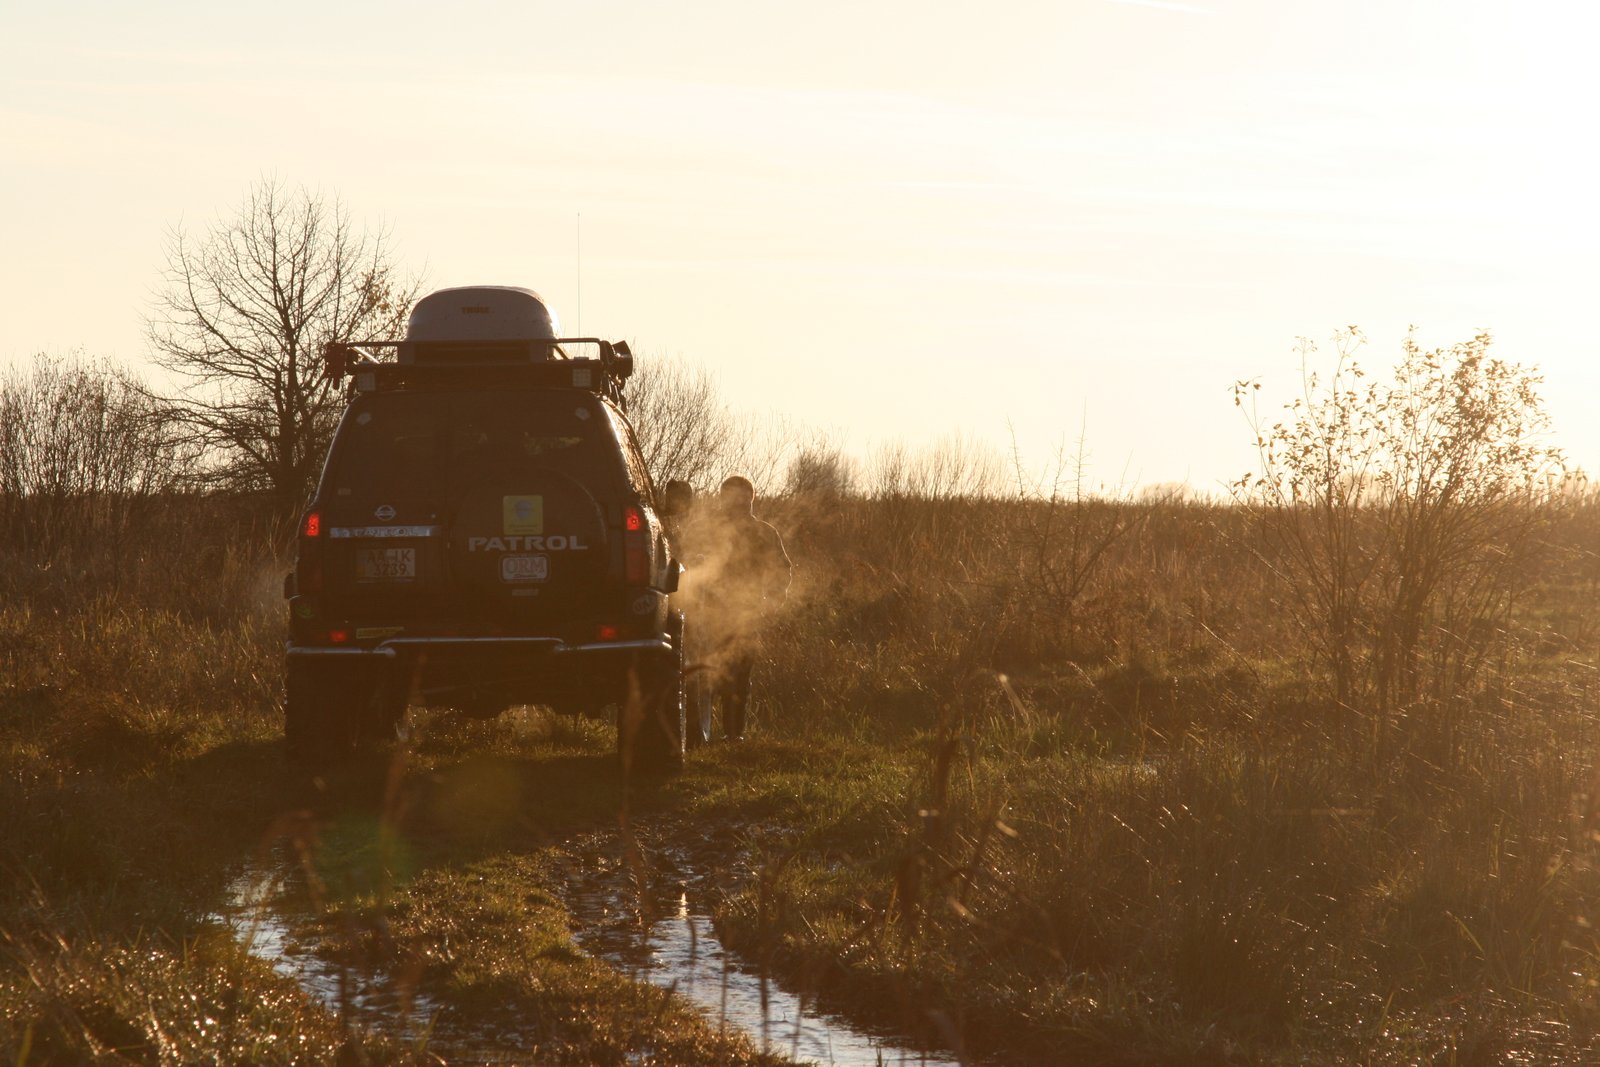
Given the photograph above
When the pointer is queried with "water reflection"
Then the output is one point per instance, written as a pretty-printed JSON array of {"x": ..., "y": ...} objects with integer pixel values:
[
  {"x": 680, "y": 950},
  {"x": 365, "y": 997},
  {"x": 677, "y": 949}
]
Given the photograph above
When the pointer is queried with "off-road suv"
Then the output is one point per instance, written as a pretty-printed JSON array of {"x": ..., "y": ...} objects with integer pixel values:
[{"x": 484, "y": 534}]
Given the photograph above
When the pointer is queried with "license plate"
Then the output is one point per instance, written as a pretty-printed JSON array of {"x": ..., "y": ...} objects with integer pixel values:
[
  {"x": 524, "y": 568},
  {"x": 385, "y": 564}
]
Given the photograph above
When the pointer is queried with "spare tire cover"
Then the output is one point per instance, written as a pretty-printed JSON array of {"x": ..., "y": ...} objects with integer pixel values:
[{"x": 527, "y": 544}]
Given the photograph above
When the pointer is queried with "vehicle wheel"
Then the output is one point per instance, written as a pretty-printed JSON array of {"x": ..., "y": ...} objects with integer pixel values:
[
  {"x": 322, "y": 706},
  {"x": 380, "y": 709},
  {"x": 732, "y": 685},
  {"x": 651, "y": 729},
  {"x": 699, "y": 702},
  {"x": 698, "y": 706}
]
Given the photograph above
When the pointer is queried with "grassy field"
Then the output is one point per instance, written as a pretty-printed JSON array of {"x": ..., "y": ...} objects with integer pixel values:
[
  {"x": 144, "y": 770},
  {"x": 1158, "y": 839},
  {"x": 1037, "y": 782}
]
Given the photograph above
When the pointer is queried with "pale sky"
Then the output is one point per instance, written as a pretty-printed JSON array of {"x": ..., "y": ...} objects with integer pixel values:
[{"x": 884, "y": 219}]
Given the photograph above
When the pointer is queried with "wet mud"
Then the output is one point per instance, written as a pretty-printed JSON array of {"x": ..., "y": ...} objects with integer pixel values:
[
  {"x": 646, "y": 911},
  {"x": 649, "y": 912},
  {"x": 267, "y": 908}
]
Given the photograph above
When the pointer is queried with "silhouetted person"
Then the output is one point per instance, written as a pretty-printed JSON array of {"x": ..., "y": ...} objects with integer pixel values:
[
  {"x": 745, "y": 576},
  {"x": 677, "y": 512}
]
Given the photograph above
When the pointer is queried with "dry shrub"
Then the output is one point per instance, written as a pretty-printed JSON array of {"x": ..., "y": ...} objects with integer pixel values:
[
  {"x": 86, "y": 461},
  {"x": 1160, "y": 832},
  {"x": 1404, "y": 516}
]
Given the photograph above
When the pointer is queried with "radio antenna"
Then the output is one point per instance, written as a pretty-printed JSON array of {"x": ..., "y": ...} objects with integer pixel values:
[{"x": 577, "y": 286}]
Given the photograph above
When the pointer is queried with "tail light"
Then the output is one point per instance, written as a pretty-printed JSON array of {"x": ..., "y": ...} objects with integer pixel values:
[
  {"x": 635, "y": 547},
  {"x": 308, "y": 566},
  {"x": 608, "y": 631}
]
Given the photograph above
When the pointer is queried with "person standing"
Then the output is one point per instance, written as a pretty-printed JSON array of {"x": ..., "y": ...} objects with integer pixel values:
[
  {"x": 677, "y": 514},
  {"x": 746, "y": 575}
]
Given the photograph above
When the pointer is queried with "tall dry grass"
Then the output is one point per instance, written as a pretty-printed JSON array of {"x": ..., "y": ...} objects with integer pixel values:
[
  {"x": 1055, "y": 772},
  {"x": 1135, "y": 820}
]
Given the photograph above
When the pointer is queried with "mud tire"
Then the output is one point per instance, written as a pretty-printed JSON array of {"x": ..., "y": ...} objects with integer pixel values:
[
  {"x": 325, "y": 711},
  {"x": 699, "y": 704},
  {"x": 381, "y": 712},
  {"x": 657, "y": 737},
  {"x": 697, "y": 716}
]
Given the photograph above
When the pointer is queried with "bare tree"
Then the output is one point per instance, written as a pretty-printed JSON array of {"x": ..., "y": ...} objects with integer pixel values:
[
  {"x": 242, "y": 320},
  {"x": 688, "y": 432},
  {"x": 682, "y": 423},
  {"x": 85, "y": 458}
]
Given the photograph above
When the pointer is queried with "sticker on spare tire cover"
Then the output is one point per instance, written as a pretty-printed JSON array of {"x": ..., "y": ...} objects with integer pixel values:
[
  {"x": 522, "y": 515},
  {"x": 524, "y": 568}
]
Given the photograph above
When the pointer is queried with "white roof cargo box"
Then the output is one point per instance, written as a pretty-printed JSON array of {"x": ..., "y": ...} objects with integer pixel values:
[
  {"x": 479, "y": 313},
  {"x": 481, "y": 334}
]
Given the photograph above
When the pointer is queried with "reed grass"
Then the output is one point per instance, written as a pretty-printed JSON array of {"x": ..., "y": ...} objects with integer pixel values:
[{"x": 1037, "y": 776}]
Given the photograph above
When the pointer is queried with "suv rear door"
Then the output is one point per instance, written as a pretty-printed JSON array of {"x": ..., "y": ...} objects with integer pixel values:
[{"x": 474, "y": 509}]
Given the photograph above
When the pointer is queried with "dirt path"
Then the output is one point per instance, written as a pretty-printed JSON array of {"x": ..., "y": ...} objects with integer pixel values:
[
  {"x": 650, "y": 910},
  {"x": 427, "y": 901}
]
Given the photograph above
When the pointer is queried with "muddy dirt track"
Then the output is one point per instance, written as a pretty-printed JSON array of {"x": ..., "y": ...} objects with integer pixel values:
[{"x": 348, "y": 898}]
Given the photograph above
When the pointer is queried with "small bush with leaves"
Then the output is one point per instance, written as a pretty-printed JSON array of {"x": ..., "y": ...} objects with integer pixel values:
[{"x": 1400, "y": 513}]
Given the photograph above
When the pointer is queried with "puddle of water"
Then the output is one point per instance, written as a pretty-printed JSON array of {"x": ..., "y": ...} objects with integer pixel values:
[
  {"x": 680, "y": 951},
  {"x": 364, "y": 997}
]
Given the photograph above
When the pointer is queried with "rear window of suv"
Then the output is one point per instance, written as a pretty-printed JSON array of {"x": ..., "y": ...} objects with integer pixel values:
[{"x": 417, "y": 444}]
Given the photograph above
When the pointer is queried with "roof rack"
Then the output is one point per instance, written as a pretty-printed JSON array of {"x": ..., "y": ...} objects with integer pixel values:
[{"x": 453, "y": 364}]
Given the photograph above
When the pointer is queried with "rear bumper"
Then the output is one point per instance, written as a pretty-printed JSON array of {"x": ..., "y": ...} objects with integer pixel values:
[
  {"x": 393, "y": 647},
  {"x": 496, "y": 672}
]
